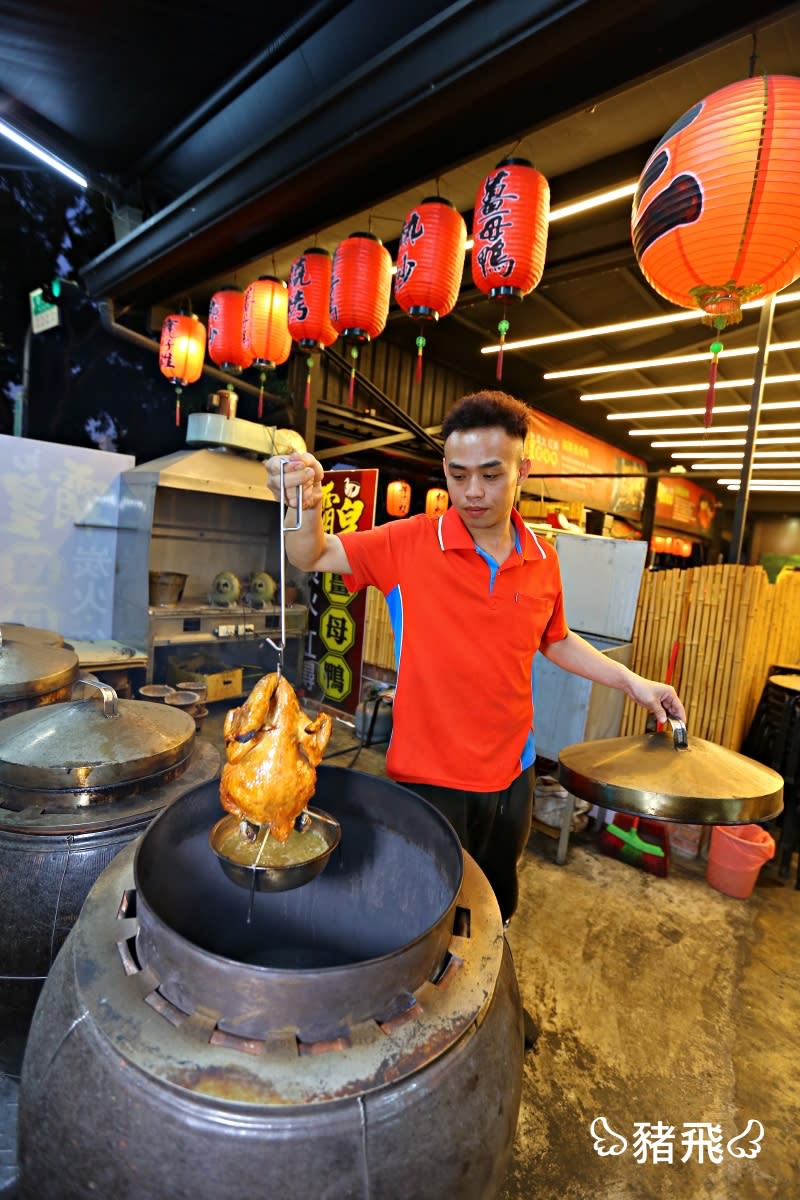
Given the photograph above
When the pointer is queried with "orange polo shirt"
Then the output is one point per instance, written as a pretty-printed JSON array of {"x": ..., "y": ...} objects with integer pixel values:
[{"x": 465, "y": 633}]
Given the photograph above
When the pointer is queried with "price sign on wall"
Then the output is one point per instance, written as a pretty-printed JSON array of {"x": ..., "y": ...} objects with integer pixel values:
[{"x": 335, "y": 639}]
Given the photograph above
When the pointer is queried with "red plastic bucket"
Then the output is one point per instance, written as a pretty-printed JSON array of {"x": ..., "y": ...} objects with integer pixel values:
[{"x": 736, "y": 855}]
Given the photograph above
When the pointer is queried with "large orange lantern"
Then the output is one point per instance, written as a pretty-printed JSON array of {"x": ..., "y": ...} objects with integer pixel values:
[
  {"x": 509, "y": 230},
  {"x": 436, "y": 502},
  {"x": 225, "y": 314},
  {"x": 265, "y": 331},
  {"x": 361, "y": 286},
  {"x": 716, "y": 215},
  {"x": 398, "y": 498},
  {"x": 309, "y": 306},
  {"x": 430, "y": 263},
  {"x": 181, "y": 352}
]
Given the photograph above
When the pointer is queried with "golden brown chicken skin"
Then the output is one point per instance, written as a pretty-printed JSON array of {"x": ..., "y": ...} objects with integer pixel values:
[{"x": 273, "y": 749}]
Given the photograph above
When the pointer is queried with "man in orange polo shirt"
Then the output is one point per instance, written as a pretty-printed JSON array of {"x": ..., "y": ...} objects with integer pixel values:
[{"x": 472, "y": 596}]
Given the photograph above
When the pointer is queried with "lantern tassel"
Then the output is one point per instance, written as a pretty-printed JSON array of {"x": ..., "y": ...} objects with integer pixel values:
[
  {"x": 502, "y": 329},
  {"x": 716, "y": 350},
  {"x": 309, "y": 369},
  {"x": 352, "y": 388},
  {"x": 178, "y": 391},
  {"x": 262, "y": 376},
  {"x": 420, "y": 347}
]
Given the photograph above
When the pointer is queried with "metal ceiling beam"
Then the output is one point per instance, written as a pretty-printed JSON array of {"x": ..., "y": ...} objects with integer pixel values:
[{"x": 375, "y": 392}]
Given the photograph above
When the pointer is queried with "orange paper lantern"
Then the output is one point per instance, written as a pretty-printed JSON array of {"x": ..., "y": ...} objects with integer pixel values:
[
  {"x": 265, "y": 332},
  {"x": 309, "y": 306},
  {"x": 361, "y": 286},
  {"x": 509, "y": 230},
  {"x": 436, "y": 502},
  {"x": 225, "y": 317},
  {"x": 716, "y": 215},
  {"x": 430, "y": 263},
  {"x": 181, "y": 352},
  {"x": 398, "y": 498}
]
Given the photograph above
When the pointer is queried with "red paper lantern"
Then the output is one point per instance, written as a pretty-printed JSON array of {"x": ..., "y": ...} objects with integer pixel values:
[
  {"x": 716, "y": 215},
  {"x": 398, "y": 498},
  {"x": 361, "y": 286},
  {"x": 509, "y": 230},
  {"x": 309, "y": 299},
  {"x": 309, "y": 306},
  {"x": 436, "y": 502},
  {"x": 225, "y": 347},
  {"x": 181, "y": 352},
  {"x": 430, "y": 263}
]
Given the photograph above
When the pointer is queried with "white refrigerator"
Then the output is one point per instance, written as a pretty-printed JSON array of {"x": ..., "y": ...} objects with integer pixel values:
[{"x": 601, "y": 578}]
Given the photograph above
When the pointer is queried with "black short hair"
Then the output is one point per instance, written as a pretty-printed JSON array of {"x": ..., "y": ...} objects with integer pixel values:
[{"x": 485, "y": 410}]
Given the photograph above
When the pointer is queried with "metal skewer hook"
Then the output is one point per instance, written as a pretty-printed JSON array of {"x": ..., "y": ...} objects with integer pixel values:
[{"x": 284, "y": 529}]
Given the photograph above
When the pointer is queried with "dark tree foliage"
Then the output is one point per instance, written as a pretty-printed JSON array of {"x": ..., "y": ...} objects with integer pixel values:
[{"x": 80, "y": 385}]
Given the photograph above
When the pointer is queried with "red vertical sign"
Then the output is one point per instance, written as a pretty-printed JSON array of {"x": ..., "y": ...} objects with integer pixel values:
[{"x": 335, "y": 639}]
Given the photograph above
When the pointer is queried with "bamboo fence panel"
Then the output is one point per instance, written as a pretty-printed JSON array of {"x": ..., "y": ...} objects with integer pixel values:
[
  {"x": 726, "y": 585},
  {"x": 378, "y": 636},
  {"x": 731, "y": 627},
  {"x": 731, "y": 658}
]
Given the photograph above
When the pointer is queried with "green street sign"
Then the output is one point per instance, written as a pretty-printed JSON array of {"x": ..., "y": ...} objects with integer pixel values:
[{"x": 43, "y": 315}]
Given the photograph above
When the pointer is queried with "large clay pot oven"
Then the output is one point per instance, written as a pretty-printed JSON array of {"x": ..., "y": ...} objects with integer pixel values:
[
  {"x": 360, "y": 1036},
  {"x": 33, "y": 672},
  {"x": 78, "y": 781}
]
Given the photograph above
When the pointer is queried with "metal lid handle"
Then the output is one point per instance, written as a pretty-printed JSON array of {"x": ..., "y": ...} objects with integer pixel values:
[
  {"x": 680, "y": 737},
  {"x": 110, "y": 707}
]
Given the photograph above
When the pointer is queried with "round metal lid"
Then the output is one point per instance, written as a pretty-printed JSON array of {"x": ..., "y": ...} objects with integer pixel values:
[
  {"x": 671, "y": 777},
  {"x": 790, "y": 683},
  {"x": 33, "y": 669},
  {"x": 94, "y": 743},
  {"x": 15, "y": 632}
]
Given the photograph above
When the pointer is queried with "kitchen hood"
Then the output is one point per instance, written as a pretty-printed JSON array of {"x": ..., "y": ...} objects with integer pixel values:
[{"x": 226, "y": 457}]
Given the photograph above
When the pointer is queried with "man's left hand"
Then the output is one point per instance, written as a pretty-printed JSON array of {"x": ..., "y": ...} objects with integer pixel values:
[{"x": 661, "y": 698}]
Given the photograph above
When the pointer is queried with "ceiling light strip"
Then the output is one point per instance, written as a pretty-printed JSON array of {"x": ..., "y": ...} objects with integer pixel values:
[
  {"x": 715, "y": 443},
  {"x": 26, "y": 143},
  {"x": 789, "y": 484},
  {"x": 678, "y": 429},
  {"x": 735, "y": 453},
  {"x": 755, "y": 466},
  {"x": 675, "y": 360},
  {"x": 652, "y": 414},
  {"x": 721, "y": 385},
  {"x": 673, "y": 318},
  {"x": 765, "y": 487}
]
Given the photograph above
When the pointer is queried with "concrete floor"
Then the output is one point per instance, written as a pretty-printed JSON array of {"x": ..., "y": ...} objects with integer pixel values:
[{"x": 659, "y": 1000}]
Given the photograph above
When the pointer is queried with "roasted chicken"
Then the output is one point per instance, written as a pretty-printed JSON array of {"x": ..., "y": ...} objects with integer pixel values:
[{"x": 273, "y": 749}]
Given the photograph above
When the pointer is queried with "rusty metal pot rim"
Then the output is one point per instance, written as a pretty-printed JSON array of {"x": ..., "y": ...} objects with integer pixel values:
[
  {"x": 78, "y": 746},
  {"x": 29, "y": 669}
]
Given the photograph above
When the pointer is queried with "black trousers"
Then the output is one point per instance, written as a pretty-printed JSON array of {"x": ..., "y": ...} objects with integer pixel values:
[{"x": 493, "y": 827}]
